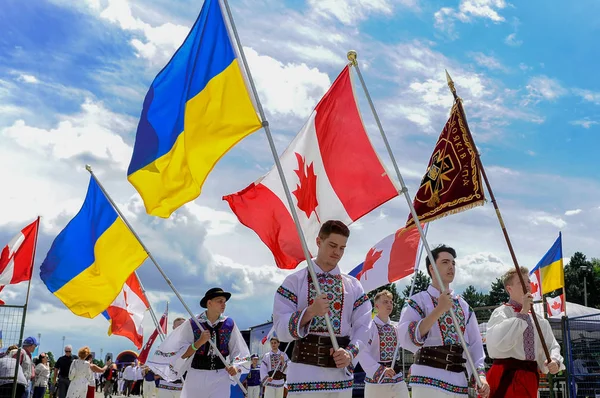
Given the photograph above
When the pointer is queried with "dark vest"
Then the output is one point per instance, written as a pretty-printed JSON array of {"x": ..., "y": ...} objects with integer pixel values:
[
  {"x": 222, "y": 334},
  {"x": 253, "y": 378}
]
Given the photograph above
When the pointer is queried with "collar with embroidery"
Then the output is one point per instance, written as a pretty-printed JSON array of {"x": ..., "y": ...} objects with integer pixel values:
[
  {"x": 203, "y": 318},
  {"x": 516, "y": 306},
  {"x": 319, "y": 271},
  {"x": 436, "y": 293},
  {"x": 379, "y": 321}
]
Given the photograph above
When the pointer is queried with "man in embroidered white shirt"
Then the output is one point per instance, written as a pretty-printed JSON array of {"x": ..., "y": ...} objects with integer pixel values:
[
  {"x": 272, "y": 369},
  {"x": 382, "y": 380},
  {"x": 513, "y": 343},
  {"x": 426, "y": 329},
  {"x": 316, "y": 369}
]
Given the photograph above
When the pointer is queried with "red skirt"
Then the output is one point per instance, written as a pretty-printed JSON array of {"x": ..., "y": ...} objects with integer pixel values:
[
  {"x": 512, "y": 378},
  {"x": 91, "y": 392}
]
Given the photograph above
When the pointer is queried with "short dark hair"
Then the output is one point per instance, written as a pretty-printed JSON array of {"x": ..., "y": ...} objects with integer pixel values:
[
  {"x": 333, "y": 227},
  {"x": 436, "y": 253}
]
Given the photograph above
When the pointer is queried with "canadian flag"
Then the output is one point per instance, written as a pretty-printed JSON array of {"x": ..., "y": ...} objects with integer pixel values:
[
  {"x": 332, "y": 170},
  {"x": 163, "y": 326},
  {"x": 391, "y": 259},
  {"x": 16, "y": 258},
  {"x": 268, "y": 336},
  {"x": 536, "y": 286},
  {"x": 126, "y": 312},
  {"x": 556, "y": 305}
]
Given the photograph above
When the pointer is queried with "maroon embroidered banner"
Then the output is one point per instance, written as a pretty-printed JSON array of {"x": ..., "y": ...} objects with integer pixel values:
[{"x": 452, "y": 182}]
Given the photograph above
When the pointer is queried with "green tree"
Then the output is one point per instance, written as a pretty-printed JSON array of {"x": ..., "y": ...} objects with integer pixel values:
[
  {"x": 398, "y": 300},
  {"x": 51, "y": 360},
  {"x": 421, "y": 284},
  {"x": 98, "y": 362},
  {"x": 498, "y": 294},
  {"x": 578, "y": 270},
  {"x": 474, "y": 298}
]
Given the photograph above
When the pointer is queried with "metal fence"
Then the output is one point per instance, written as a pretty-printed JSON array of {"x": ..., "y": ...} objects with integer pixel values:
[
  {"x": 583, "y": 354},
  {"x": 11, "y": 333}
]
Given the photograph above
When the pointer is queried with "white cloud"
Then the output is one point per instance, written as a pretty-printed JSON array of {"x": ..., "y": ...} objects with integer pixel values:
[
  {"x": 573, "y": 212},
  {"x": 588, "y": 95},
  {"x": 468, "y": 10},
  {"x": 157, "y": 43},
  {"x": 531, "y": 153},
  {"x": 286, "y": 88},
  {"x": 512, "y": 40},
  {"x": 27, "y": 78},
  {"x": 585, "y": 123},
  {"x": 479, "y": 270},
  {"x": 542, "y": 217},
  {"x": 543, "y": 88},
  {"x": 524, "y": 67},
  {"x": 93, "y": 132},
  {"x": 488, "y": 61},
  {"x": 350, "y": 12}
]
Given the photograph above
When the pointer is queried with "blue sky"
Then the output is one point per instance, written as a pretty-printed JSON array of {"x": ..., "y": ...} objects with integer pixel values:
[{"x": 74, "y": 74}]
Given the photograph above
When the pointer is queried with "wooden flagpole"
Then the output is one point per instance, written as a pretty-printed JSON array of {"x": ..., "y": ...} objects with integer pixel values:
[{"x": 498, "y": 214}]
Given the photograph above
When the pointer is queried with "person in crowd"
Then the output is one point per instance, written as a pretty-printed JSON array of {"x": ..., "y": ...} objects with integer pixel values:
[
  {"x": 61, "y": 372},
  {"x": 42, "y": 375},
  {"x": 8, "y": 365}
]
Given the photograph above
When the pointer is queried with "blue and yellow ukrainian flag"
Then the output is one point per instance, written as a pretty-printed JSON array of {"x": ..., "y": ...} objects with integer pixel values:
[
  {"x": 91, "y": 258},
  {"x": 551, "y": 268},
  {"x": 197, "y": 108}
]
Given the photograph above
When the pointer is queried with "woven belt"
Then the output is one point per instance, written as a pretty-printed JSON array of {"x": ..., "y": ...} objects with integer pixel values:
[
  {"x": 279, "y": 375},
  {"x": 446, "y": 357},
  {"x": 314, "y": 350}
]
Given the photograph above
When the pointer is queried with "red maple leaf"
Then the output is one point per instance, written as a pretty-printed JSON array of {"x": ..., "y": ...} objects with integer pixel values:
[
  {"x": 555, "y": 305},
  {"x": 534, "y": 288},
  {"x": 306, "y": 190},
  {"x": 370, "y": 260}
]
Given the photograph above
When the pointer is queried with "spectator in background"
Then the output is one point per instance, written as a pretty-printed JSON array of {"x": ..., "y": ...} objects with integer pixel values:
[
  {"x": 129, "y": 376},
  {"x": 7, "y": 373},
  {"x": 26, "y": 362},
  {"x": 61, "y": 371},
  {"x": 42, "y": 374}
]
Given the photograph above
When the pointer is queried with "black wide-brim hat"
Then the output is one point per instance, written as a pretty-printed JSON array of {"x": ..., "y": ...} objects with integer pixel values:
[{"x": 212, "y": 293}]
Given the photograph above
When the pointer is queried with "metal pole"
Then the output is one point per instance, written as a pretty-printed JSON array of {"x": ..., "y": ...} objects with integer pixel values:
[
  {"x": 63, "y": 341},
  {"x": 352, "y": 58},
  {"x": 286, "y": 188},
  {"x": 160, "y": 270},
  {"x": 18, "y": 359},
  {"x": 585, "y": 288},
  {"x": 152, "y": 314},
  {"x": 498, "y": 214}
]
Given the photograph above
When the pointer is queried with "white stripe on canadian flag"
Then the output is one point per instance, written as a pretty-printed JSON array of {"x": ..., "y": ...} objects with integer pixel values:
[
  {"x": 16, "y": 258},
  {"x": 332, "y": 172},
  {"x": 127, "y": 311},
  {"x": 556, "y": 305},
  {"x": 536, "y": 286}
]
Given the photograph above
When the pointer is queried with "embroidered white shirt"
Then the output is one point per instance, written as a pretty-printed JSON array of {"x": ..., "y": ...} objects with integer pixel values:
[
  {"x": 350, "y": 316},
  {"x": 270, "y": 362},
  {"x": 442, "y": 332},
  {"x": 380, "y": 347}
]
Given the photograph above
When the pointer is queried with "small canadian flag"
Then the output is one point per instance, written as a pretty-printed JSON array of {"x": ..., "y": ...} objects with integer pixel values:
[
  {"x": 536, "y": 286},
  {"x": 556, "y": 305},
  {"x": 16, "y": 258}
]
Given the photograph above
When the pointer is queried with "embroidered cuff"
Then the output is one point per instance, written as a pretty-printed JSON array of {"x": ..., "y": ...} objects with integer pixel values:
[
  {"x": 379, "y": 373},
  {"x": 287, "y": 294},
  {"x": 481, "y": 371},
  {"x": 294, "y": 325},
  {"x": 349, "y": 369},
  {"x": 353, "y": 350},
  {"x": 361, "y": 300},
  {"x": 413, "y": 333}
]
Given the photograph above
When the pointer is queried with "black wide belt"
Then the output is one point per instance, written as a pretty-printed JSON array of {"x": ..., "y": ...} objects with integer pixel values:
[
  {"x": 207, "y": 362},
  {"x": 314, "y": 350},
  {"x": 446, "y": 357},
  {"x": 279, "y": 375}
]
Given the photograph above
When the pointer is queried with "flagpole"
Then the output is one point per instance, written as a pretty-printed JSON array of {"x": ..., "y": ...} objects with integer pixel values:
[
  {"x": 18, "y": 358},
  {"x": 286, "y": 188},
  {"x": 152, "y": 313},
  {"x": 412, "y": 288},
  {"x": 498, "y": 214},
  {"x": 160, "y": 270},
  {"x": 352, "y": 58}
]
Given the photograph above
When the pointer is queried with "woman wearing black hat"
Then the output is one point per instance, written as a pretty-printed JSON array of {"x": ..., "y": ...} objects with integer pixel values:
[{"x": 187, "y": 350}]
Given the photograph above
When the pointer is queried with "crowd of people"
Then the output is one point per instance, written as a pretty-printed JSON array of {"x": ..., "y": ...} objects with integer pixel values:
[{"x": 204, "y": 356}]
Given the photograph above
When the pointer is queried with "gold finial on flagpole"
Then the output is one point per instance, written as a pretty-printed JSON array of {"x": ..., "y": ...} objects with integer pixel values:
[
  {"x": 88, "y": 168},
  {"x": 352, "y": 57},
  {"x": 450, "y": 84}
]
